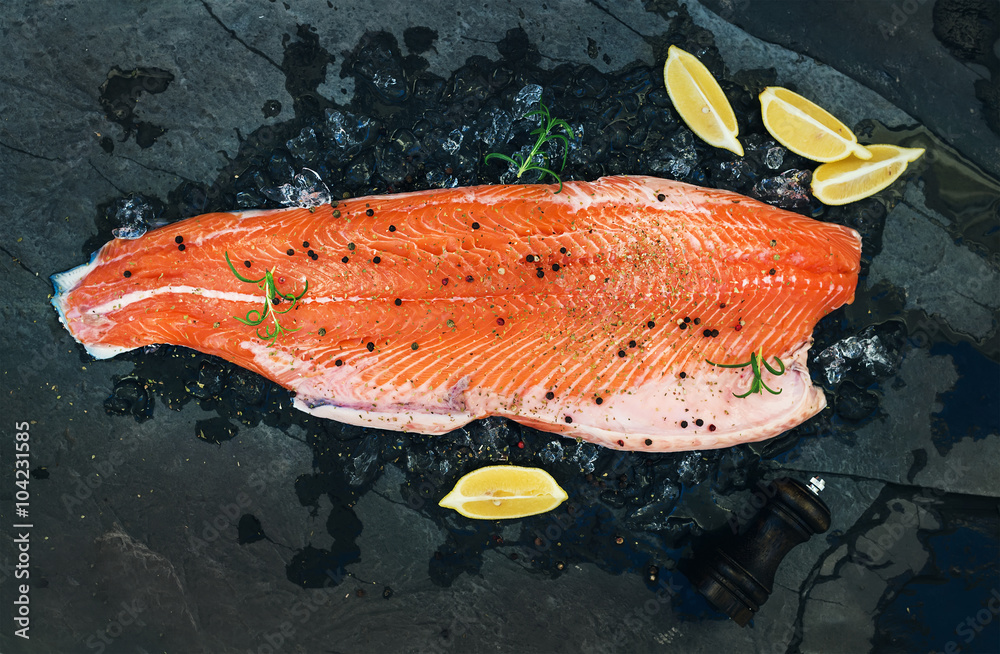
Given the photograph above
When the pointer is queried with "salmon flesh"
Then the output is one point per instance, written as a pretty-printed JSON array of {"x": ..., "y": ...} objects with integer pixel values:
[{"x": 596, "y": 312}]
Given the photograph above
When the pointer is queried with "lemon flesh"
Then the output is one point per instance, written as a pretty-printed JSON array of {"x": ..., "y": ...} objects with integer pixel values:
[
  {"x": 699, "y": 100},
  {"x": 851, "y": 179},
  {"x": 504, "y": 492},
  {"x": 807, "y": 129}
]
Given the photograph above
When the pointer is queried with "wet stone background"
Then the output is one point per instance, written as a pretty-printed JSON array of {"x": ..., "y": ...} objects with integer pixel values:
[{"x": 180, "y": 504}]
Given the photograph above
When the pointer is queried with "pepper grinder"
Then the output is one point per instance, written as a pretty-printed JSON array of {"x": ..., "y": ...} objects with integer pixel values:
[{"x": 737, "y": 575}]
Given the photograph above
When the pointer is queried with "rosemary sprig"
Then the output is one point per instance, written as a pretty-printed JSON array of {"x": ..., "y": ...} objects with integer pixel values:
[
  {"x": 755, "y": 362},
  {"x": 544, "y": 134},
  {"x": 272, "y": 297}
]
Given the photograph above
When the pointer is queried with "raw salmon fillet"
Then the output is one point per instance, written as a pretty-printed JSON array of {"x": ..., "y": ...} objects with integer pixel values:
[{"x": 592, "y": 312}]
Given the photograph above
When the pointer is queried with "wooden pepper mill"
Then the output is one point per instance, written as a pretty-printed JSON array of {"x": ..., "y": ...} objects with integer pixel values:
[{"x": 737, "y": 575}]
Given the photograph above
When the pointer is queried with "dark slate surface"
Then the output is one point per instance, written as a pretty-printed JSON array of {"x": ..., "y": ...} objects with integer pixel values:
[{"x": 146, "y": 537}]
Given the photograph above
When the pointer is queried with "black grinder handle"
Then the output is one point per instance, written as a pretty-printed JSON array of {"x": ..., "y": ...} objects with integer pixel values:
[{"x": 738, "y": 575}]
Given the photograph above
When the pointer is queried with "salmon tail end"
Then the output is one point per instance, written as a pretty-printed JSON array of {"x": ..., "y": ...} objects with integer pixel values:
[{"x": 64, "y": 284}]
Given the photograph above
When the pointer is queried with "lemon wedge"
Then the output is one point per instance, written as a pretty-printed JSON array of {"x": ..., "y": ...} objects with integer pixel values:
[
  {"x": 503, "y": 492},
  {"x": 850, "y": 179},
  {"x": 807, "y": 129},
  {"x": 700, "y": 101}
]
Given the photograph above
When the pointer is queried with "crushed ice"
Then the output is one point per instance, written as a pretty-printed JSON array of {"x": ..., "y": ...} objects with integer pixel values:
[
  {"x": 347, "y": 131},
  {"x": 133, "y": 216},
  {"x": 864, "y": 352},
  {"x": 527, "y": 100},
  {"x": 305, "y": 190},
  {"x": 789, "y": 190}
]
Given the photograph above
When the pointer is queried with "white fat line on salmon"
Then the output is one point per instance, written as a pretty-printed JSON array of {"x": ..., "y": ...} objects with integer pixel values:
[{"x": 138, "y": 296}]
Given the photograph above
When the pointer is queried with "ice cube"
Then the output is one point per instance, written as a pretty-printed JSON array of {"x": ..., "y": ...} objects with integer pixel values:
[
  {"x": 133, "y": 215},
  {"x": 347, "y": 131},
  {"x": 552, "y": 452},
  {"x": 865, "y": 354},
  {"x": 305, "y": 146},
  {"x": 305, "y": 190},
  {"x": 774, "y": 157},
  {"x": 527, "y": 100},
  {"x": 495, "y": 126},
  {"x": 452, "y": 142},
  {"x": 789, "y": 190}
]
